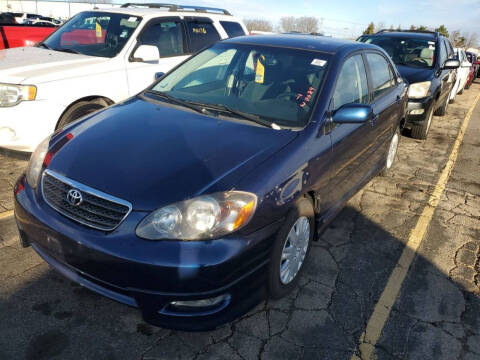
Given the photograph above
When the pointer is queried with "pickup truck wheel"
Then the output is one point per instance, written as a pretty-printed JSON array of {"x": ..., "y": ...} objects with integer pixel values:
[
  {"x": 442, "y": 111},
  {"x": 421, "y": 131},
  {"x": 291, "y": 248},
  {"x": 391, "y": 154},
  {"x": 79, "y": 110}
]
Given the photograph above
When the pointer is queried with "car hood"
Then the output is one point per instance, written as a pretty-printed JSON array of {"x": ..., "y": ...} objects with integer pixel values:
[
  {"x": 153, "y": 155},
  {"x": 414, "y": 74},
  {"x": 36, "y": 65}
]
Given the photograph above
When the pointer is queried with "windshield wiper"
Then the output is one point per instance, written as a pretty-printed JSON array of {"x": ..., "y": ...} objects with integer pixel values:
[
  {"x": 45, "y": 46},
  {"x": 177, "y": 101},
  {"x": 68, "y": 51},
  {"x": 243, "y": 115}
]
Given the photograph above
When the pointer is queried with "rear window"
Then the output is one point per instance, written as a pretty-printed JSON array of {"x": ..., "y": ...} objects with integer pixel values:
[
  {"x": 202, "y": 34},
  {"x": 232, "y": 29}
]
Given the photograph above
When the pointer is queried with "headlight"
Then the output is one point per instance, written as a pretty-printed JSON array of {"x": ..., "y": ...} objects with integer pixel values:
[
  {"x": 36, "y": 162},
  {"x": 418, "y": 90},
  {"x": 11, "y": 95},
  {"x": 201, "y": 218}
]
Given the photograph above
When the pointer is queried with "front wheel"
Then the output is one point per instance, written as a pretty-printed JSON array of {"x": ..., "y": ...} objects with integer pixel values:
[
  {"x": 391, "y": 153},
  {"x": 442, "y": 111},
  {"x": 421, "y": 131},
  {"x": 291, "y": 248}
]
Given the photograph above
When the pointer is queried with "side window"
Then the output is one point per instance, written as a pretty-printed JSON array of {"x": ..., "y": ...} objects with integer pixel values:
[
  {"x": 232, "y": 29},
  {"x": 451, "y": 52},
  {"x": 352, "y": 86},
  {"x": 201, "y": 34},
  {"x": 381, "y": 72},
  {"x": 167, "y": 36},
  {"x": 443, "y": 53}
]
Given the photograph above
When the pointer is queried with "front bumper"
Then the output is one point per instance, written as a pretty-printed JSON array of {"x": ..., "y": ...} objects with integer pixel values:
[
  {"x": 151, "y": 274},
  {"x": 418, "y": 109},
  {"x": 24, "y": 126}
]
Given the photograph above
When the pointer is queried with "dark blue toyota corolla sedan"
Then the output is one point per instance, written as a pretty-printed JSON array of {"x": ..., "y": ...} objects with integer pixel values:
[{"x": 201, "y": 195}]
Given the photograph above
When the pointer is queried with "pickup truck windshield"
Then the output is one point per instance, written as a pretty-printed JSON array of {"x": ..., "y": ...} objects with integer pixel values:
[
  {"x": 275, "y": 86},
  {"x": 94, "y": 33},
  {"x": 407, "y": 51}
]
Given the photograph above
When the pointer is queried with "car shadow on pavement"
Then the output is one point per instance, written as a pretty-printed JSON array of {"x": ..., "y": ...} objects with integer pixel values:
[{"x": 45, "y": 316}]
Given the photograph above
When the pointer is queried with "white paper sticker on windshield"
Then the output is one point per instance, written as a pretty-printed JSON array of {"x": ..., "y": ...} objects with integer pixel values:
[
  {"x": 132, "y": 19},
  {"x": 318, "y": 62},
  {"x": 431, "y": 43}
]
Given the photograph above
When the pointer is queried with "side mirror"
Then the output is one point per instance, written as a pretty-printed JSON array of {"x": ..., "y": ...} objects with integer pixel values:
[
  {"x": 158, "y": 75},
  {"x": 353, "y": 114},
  {"x": 147, "y": 53},
  {"x": 451, "y": 64}
]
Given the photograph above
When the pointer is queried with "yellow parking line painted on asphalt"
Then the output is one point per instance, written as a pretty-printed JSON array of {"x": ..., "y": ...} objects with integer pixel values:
[
  {"x": 382, "y": 309},
  {"x": 6, "y": 214}
]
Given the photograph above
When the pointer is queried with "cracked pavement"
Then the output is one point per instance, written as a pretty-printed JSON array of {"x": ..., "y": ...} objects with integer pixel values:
[{"x": 436, "y": 314}]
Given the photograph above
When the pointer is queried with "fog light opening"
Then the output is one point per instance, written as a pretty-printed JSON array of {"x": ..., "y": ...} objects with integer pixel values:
[
  {"x": 417, "y": 112},
  {"x": 197, "y": 307}
]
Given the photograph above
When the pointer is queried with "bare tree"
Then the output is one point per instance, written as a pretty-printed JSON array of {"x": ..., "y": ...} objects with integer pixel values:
[
  {"x": 380, "y": 26},
  {"x": 457, "y": 39},
  {"x": 471, "y": 39},
  {"x": 258, "y": 24},
  {"x": 288, "y": 23},
  {"x": 307, "y": 24},
  {"x": 465, "y": 39}
]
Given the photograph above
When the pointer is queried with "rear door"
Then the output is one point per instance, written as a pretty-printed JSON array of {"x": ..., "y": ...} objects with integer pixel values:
[
  {"x": 387, "y": 103},
  {"x": 351, "y": 143},
  {"x": 201, "y": 33},
  {"x": 168, "y": 35}
]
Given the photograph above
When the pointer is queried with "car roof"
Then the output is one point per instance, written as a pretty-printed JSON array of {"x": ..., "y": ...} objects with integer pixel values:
[
  {"x": 155, "y": 12},
  {"x": 407, "y": 34},
  {"x": 303, "y": 42}
]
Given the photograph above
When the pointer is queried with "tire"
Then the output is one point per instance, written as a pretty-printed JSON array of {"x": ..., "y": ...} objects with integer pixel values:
[
  {"x": 391, "y": 154},
  {"x": 79, "y": 110},
  {"x": 442, "y": 111},
  {"x": 421, "y": 131},
  {"x": 301, "y": 214}
]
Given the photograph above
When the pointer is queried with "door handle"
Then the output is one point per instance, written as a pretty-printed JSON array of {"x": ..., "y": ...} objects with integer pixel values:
[{"x": 398, "y": 99}]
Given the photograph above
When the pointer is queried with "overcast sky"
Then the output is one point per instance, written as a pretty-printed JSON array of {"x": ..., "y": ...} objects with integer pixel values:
[{"x": 347, "y": 17}]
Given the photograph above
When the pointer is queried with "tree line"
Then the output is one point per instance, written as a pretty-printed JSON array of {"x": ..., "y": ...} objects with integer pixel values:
[
  {"x": 310, "y": 24},
  {"x": 304, "y": 24},
  {"x": 457, "y": 37}
]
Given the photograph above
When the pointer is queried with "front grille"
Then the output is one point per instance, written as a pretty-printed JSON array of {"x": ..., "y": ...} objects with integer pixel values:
[{"x": 97, "y": 209}]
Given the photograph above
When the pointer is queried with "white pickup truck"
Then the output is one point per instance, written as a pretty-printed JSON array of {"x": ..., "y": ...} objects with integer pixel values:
[{"x": 96, "y": 59}]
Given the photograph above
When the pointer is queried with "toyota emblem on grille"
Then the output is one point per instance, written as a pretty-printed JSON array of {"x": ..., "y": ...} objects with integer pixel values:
[{"x": 74, "y": 197}]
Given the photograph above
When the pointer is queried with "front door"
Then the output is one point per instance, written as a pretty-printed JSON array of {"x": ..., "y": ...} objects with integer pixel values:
[
  {"x": 351, "y": 143},
  {"x": 168, "y": 35}
]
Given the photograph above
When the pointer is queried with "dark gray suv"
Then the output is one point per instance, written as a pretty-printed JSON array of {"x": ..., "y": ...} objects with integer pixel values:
[{"x": 427, "y": 61}]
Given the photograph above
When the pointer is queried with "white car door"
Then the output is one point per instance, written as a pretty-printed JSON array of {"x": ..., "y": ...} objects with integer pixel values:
[{"x": 168, "y": 35}]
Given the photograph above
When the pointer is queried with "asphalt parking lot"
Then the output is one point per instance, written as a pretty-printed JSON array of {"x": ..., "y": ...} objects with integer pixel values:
[{"x": 339, "y": 305}]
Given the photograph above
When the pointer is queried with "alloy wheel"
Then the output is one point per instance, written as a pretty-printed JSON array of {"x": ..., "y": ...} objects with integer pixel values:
[{"x": 294, "y": 250}]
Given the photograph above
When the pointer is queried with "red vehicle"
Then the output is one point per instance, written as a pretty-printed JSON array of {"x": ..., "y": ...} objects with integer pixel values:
[{"x": 16, "y": 35}]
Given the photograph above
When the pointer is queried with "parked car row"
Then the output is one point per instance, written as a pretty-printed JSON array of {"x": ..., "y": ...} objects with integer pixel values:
[
  {"x": 428, "y": 62},
  {"x": 26, "y": 18},
  {"x": 201, "y": 193}
]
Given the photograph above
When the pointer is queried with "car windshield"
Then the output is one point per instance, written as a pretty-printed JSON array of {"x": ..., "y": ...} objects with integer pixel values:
[
  {"x": 94, "y": 33},
  {"x": 277, "y": 86},
  {"x": 407, "y": 51}
]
